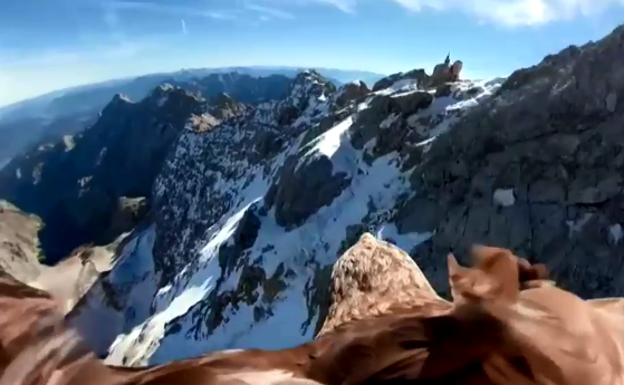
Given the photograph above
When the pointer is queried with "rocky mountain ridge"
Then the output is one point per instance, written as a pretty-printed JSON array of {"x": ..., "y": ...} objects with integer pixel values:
[
  {"x": 76, "y": 184},
  {"x": 33, "y": 123}
]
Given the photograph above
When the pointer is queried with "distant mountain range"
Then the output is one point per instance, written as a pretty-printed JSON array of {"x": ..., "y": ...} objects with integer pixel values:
[
  {"x": 65, "y": 112},
  {"x": 84, "y": 98}
]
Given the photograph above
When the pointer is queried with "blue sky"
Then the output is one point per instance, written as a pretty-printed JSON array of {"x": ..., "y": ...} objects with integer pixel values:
[{"x": 51, "y": 44}]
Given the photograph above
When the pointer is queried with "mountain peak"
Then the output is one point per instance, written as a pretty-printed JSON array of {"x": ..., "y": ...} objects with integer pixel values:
[
  {"x": 309, "y": 84},
  {"x": 309, "y": 76}
]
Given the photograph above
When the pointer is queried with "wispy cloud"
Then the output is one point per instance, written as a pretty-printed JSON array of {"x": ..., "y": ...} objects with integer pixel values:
[
  {"x": 151, "y": 6},
  {"x": 184, "y": 30},
  {"x": 515, "y": 12},
  {"x": 511, "y": 13},
  {"x": 268, "y": 12},
  {"x": 347, "y": 6}
]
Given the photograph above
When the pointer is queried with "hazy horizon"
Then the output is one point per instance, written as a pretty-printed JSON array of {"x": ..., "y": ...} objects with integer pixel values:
[{"x": 47, "y": 46}]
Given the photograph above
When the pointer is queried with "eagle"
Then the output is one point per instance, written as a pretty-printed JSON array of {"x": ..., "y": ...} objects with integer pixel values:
[{"x": 506, "y": 324}]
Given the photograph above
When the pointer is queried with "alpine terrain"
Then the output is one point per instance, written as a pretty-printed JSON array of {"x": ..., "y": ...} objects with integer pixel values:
[{"x": 226, "y": 216}]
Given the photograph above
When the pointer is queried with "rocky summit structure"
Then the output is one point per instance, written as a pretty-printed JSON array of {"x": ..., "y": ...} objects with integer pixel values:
[{"x": 249, "y": 212}]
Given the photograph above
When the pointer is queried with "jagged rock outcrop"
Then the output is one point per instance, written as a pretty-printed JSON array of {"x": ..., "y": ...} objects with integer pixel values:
[
  {"x": 351, "y": 92},
  {"x": 123, "y": 151}
]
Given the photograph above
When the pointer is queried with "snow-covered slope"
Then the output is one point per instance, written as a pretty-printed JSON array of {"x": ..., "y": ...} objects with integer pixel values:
[{"x": 250, "y": 216}]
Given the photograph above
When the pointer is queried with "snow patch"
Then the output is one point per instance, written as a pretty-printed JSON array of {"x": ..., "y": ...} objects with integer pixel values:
[
  {"x": 387, "y": 122},
  {"x": 616, "y": 233},
  {"x": 162, "y": 101},
  {"x": 335, "y": 144},
  {"x": 172, "y": 301},
  {"x": 403, "y": 85},
  {"x": 504, "y": 197},
  {"x": 575, "y": 227}
]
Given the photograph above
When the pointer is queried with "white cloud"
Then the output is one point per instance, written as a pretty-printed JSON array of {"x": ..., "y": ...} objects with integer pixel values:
[
  {"x": 516, "y": 12},
  {"x": 343, "y": 5},
  {"x": 347, "y": 6},
  {"x": 269, "y": 12},
  {"x": 503, "y": 12},
  {"x": 184, "y": 30},
  {"x": 508, "y": 12}
]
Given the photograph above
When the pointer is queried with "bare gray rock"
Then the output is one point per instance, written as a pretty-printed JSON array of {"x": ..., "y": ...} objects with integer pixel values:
[
  {"x": 552, "y": 136},
  {"x": 303, "y": 188},
  {"x": 417, "y": 74},
  {"x": 385, "y": 120},
  {"x": 351, "y": 92}
]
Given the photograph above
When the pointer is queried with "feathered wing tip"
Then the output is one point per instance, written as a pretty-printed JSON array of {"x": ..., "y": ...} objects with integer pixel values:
[
  {"x": 490, "y": 291},
  {"x": 44, "y": 360},
  {"x": 486, "y": 255},
  {"x": 552, "y": 330},
  {"x": 35, "y": 340},
  {"x": 495, "y": 273},
  {"x": 526, "y": 330}
]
